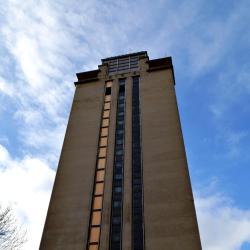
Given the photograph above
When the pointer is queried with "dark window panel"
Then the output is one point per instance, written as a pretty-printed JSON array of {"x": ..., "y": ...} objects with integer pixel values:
[
  {"x": 108, "y": 91},
  {"x": 118, "y": 189},
  {"x": 116, "y": 213},
  {"x": 137, "y": 199}
]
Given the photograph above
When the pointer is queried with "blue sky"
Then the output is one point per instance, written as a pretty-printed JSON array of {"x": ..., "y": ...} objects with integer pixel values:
[{"x": 44, "y": 43}]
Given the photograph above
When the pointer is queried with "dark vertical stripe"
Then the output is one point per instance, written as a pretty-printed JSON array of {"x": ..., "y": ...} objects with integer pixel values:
[
  {"x": 137, "y": 187},
  {"x": 117, "y": 189}
]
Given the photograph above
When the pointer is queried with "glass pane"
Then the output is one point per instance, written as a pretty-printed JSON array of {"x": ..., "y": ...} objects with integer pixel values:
[
  {"x": 109, "y": 84},
  {"x": 105, "y": 122},
  {"x": 107, "y": 105},
  {"x": 96, "y": 218},
  {"x": 94, "y": 234},
  {"x": 107, "y": 98},
  {"x": 97, "y": 202},
  {"x": 102, "y": 152},
  {"x": 106, "y": 114},
  {"x": 101, "y": 163},
  {"x": 104, "y": 132},
  {"x": 93, "y": 247},
  {"x": 99, "y": 188},
  {"x": 103, "y": 141},
  {"x": 100, "y": 175}
]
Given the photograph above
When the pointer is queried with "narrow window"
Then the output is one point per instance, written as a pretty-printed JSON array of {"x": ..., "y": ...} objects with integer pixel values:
[
  {"x": 137, "y": 194},
  {"x": 117, "y": 190}
]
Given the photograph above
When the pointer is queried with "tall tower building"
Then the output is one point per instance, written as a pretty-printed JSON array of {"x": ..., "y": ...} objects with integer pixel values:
[{"x": 122, "y": 182}]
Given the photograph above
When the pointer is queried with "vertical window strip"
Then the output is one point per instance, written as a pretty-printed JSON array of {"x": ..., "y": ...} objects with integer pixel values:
[
  {"x": 94, "y": 233},
  {"x": 137, "y": 187},
  {"x": 118, "y": 175}
]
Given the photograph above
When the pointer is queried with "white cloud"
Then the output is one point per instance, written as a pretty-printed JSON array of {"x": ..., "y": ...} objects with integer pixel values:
[
  {"x": 5, "y": 88},
  {"x": 26, "y": 185},
  {"x": 223, "y": 226}
]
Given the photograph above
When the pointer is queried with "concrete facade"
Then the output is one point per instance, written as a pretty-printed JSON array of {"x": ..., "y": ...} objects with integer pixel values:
[{"x": 169, "y": 213}]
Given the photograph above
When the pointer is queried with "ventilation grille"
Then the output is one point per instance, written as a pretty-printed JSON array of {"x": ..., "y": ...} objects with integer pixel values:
[{"x": 123, "y": 64}]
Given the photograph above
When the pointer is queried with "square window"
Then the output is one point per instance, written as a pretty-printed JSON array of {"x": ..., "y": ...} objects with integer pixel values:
[
  {"x": 118, "y": 176},
  {"x": 117, "y": 204},
  {"x": 107, "y": 98},
  {"x": 97, "y": 204},
  {"x": 119, "y": 147},
  {"x": 118, "y": 189},
  {"x": 115, "y": 237},
  {"x": 102, "y": 152},
  {"x": 117, "y": 196},
  {"x": 119, "y": 136},
  {"x": 100, "y": 175},
  {"x": 108, "y": 91},
  {"x": 99, "y": 188},
  {"x": 116, "y": 212},
  {"x": 103, "y": 141},
  {"x": 107, "y": 105},
  {"x": 96, "y": 218},
  {"x": 119, "y": 158},
  {"x": 119, "y": 152},
  {"x": 120, "y": 118},
  {"x": 137, "y": 181},
  {"x": 120, "y": 113},
  {"x": 117, "y": 183},
  {"x": 105, "y": 122},
  {"x": 121, "y": 89},
  {"x": 106, "y": 113},
  {"x": 116, "y": 220},
  {"x": 120, "y": 108},
  {"x": 101, "y": 163},
  {"x": 118, "y": 170},
  {"x": 93, "y": 247},
  {"x": 118, "y": 164},
  {"x": 120, "y": 127},
  {"x": 104, "y": 132},
  {"x": 109, "y": 84},
  {"x": 119, "y": 142},
  {"x": 94, "y": 234}
]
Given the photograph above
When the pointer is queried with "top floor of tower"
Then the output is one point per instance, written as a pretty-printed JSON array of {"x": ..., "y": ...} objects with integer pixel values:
[{"x": 125, "y": 65}]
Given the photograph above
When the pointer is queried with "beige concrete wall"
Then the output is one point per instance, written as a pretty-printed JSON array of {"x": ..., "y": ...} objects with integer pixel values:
[
  {"x": 68, "y": 215},
  {"x": 170, "y": 221}
]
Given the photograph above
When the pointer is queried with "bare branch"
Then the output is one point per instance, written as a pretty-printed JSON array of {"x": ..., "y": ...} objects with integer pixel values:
[{"x": 12, "y": 236}]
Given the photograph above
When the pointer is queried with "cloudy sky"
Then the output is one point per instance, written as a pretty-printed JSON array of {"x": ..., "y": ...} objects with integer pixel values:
[{"x": 44, "y": 43}]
